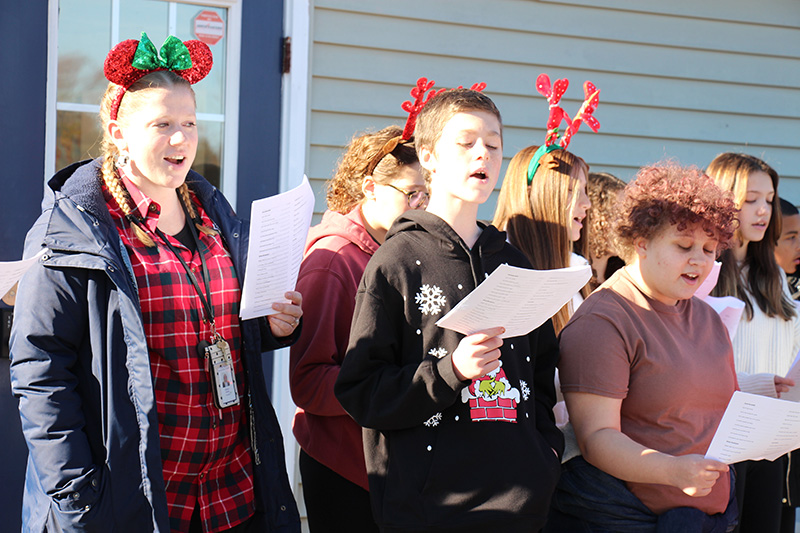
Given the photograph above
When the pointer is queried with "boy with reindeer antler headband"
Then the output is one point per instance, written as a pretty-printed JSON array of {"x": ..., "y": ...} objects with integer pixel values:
[
  {"x": 141, "y": 393},
  {"x": 459, "y": 432},
  {"x": 378, "y": 178}
]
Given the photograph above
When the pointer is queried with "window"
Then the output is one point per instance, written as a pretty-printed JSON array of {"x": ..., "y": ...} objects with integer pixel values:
[{"x": 87, "y": 29}]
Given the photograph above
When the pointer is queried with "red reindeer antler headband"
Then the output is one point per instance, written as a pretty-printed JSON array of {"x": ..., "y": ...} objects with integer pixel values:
[
  {"x": 413, "y": 110},
  {"x": 557, "y": 115},
  {"x": 131, "y": 60}
]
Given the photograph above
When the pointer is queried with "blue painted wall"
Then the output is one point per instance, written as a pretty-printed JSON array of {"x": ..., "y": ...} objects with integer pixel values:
[
  {"x": 23, "y": 36},
  {"x": 259, "y": 101},
  {"x": 23, "y": 64},
  {"x": 260, "y": 111}
]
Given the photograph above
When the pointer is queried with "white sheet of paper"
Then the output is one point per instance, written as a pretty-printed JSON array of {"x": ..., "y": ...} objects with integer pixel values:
[
  {"x": 755, "y": 427},
  {"x": 729, "y": 309},
  {"x": 794, "y": 373},
  {"x": 12, "y": 271},
  {"x": 710, "y": 282},
  {"x": 519, "y": 299},
  {"x": 278, "y": 231}
]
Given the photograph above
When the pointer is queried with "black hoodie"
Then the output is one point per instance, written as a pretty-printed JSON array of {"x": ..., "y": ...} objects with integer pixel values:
[{"x": 443, "y": 453}]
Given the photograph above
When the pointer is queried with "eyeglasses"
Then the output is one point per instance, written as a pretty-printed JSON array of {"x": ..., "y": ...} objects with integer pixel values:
[{"x": 415, "y": 199}]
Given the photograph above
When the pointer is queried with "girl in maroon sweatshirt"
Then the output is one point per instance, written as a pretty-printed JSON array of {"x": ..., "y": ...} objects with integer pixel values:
[{"x": 374, "y": 183}]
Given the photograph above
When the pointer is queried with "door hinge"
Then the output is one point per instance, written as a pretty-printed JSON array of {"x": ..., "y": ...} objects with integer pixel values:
[{"x": 286, "y": 63}]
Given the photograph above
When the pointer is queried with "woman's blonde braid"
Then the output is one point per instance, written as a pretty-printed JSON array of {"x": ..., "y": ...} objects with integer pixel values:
[
  {"x": 183, "y": 192},
  {"x": 120, "y": 194}
]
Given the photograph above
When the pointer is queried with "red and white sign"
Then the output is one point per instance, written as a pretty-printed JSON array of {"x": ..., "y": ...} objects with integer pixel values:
[{"x": 209, "y": 27}]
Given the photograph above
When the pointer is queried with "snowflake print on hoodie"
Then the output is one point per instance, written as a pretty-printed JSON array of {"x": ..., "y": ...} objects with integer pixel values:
[
  {"x": 431, "y": 299},
  {"x": 398, "y": 382}
]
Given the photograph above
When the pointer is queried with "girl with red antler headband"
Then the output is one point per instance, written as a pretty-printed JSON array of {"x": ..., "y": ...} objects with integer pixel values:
[
  {"x": 543, "y": 201},
  {"x": 141, "y": 392},
  {"x": 377, "y": 179}
]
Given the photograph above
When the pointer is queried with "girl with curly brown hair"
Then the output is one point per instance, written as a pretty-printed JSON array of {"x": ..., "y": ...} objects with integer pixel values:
[
  {"x": 370, "y": 188},
  {"x": 131, "y": 318},
  {"x": 647, "y": 370},
  {"x": 605, "y": 192}
]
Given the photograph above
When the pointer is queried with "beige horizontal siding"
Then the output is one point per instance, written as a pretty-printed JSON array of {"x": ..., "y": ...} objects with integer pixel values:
[{"x": 682, "y": 79}]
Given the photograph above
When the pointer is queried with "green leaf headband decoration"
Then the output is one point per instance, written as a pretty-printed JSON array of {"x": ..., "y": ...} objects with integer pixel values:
[
  {"x": 131, "y": 60},
  {"x": 536, "y": 160},
  {"x": 557, "y": 115},
  {"x": 174, "y": 55}
]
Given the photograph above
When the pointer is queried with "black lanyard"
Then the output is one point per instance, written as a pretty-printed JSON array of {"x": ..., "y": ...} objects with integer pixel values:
[{"x": 206, "y": 300}]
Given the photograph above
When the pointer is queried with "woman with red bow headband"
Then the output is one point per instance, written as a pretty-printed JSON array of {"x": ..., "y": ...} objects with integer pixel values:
[{"x": 142, "y": 394}]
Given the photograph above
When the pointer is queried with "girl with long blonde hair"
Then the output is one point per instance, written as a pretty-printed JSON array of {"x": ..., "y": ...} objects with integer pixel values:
[{"x": 543, "y": 216}]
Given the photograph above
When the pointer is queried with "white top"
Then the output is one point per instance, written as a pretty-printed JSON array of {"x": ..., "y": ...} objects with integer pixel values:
[
  {"x": 764, "y": 347},
  {"x": 577, "y": 260},
  {"x": 560, "y": 409}
]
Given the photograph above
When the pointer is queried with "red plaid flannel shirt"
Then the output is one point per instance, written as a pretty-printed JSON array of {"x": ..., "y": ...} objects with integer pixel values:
[{"x": 205, "y": 451}]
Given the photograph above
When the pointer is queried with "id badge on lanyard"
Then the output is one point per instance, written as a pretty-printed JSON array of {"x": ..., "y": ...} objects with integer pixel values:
[{"x": 219, "y": 364}]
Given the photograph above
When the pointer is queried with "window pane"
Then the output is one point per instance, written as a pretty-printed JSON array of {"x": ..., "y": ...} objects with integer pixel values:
[
  {"x": 209, "y": 151},
  {"x": 84, "y": 34},
  {"x": 210, "y": 91},
  {"x": 77, "y": 137},
  {"x": 149, "y": 16}
]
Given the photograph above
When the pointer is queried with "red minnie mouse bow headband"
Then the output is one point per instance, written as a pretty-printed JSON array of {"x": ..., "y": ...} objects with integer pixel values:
[
  {"x": 413, "y": 109},
  {"x": 557, "y": 115},
  {"x": 131, "y": 60}
]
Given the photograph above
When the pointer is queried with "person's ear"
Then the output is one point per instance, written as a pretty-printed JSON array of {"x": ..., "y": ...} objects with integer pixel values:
[
  {"x": 640, "y": 245},
  {"x": 117, "y": 136},
  {"x": 368, "y": 187},
  {"x": 427, "y": 159}
]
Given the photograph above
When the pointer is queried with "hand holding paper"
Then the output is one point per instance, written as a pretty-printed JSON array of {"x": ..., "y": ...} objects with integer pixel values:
[
  {"x": 477, "y": 354},
  {"x": 697, "y": 475},
  {"x": 518, "y": 299},
  {"x": 755, "y": 427},
  {"x": 278, "y": 230}
]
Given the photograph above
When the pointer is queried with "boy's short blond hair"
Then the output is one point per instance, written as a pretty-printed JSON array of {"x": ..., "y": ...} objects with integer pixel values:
[{"x": 441, "y": 108}]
